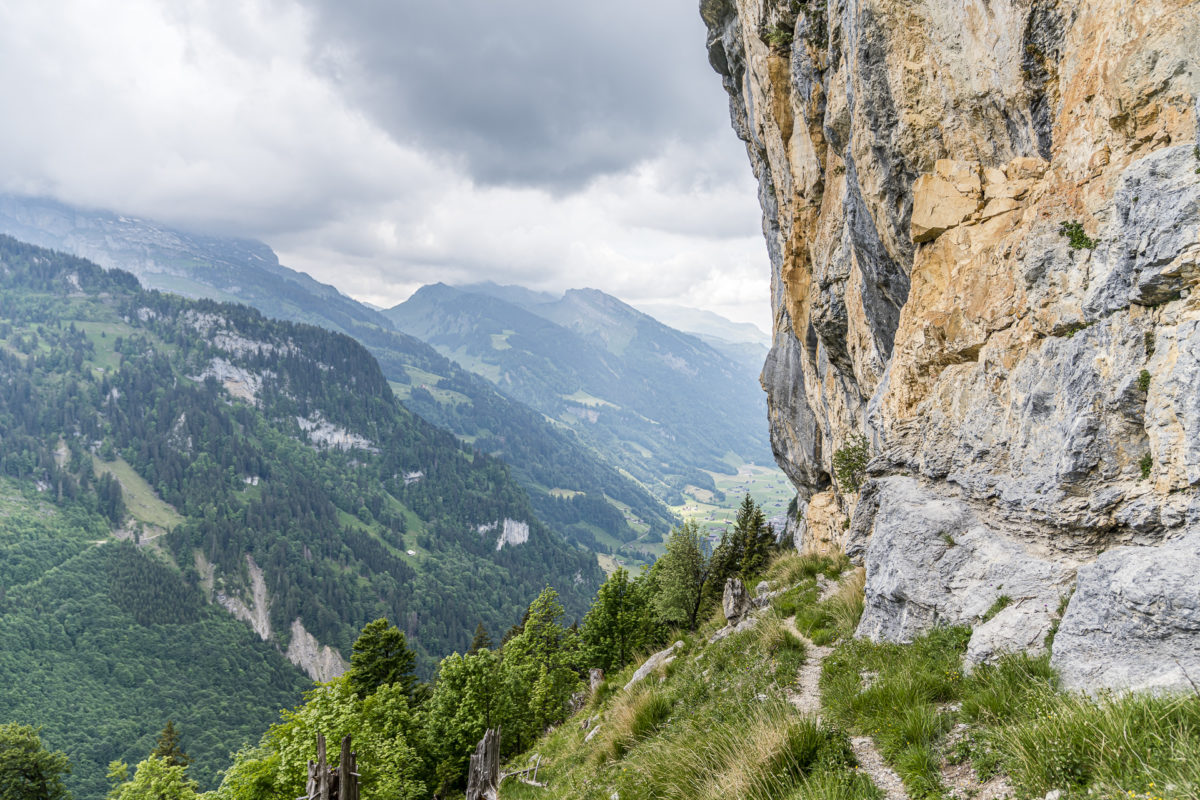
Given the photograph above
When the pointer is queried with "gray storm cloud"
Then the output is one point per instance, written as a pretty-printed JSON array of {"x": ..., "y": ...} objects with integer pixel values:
[
  {"x": 538, "y": 92},
  {"x": 380, "y": 146}
]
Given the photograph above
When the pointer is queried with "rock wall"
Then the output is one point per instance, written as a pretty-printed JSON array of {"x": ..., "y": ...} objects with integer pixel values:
[{"x": 982, "y": 218}]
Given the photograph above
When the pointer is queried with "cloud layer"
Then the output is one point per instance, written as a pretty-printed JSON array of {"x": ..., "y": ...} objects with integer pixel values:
[{"x": 381, "y": 146}]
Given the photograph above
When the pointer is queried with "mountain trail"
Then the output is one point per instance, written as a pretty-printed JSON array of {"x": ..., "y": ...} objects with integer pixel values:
[{"x": 807, "y": 700}]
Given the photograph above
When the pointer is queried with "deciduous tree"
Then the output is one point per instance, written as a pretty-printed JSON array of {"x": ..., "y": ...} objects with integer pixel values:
[{"x": 28, "y": 771}]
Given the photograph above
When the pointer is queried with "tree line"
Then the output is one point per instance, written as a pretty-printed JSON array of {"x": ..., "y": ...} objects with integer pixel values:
[{"x": 415, "y": 738}]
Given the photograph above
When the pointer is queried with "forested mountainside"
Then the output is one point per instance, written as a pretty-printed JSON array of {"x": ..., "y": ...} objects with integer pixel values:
[
  {"x": 596, "y": 505},
  {"x": 102, "y": 641},
  {"x": 660, "y": 403},
  {"x": 263, "y": 466}
]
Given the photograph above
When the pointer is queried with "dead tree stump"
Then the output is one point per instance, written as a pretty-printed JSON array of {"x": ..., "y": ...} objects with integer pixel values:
[
  {"x": 340, "y": 783},
  {"x": 483, "y": 779}
]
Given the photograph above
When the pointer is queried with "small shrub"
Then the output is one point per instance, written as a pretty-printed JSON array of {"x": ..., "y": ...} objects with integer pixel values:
[
  {"x": 1143, "y": 380},
  {"x": 1077, "y": 239},
  {"x": 1146, "y": 464},
  {"x": 949, "y": 540},
  {"x": 1002, "y": 602},
  {"x": 850, "y": 462},
  {"x": 1148, "y": 342},
  {"x": 778, "y": 36}
]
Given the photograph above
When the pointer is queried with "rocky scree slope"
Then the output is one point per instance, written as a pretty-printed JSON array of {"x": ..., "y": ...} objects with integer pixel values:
[{"x": 982, "y": 224}]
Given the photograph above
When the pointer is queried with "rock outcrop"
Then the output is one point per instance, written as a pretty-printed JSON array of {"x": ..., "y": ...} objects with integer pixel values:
[
  {"x": 735, "y": 601},
  {"x": 319, "y": 662},
  {"x": 654, "y": 662},
  {"x": 1134, "y": 621},
  {"x": 983, "y": 223}
]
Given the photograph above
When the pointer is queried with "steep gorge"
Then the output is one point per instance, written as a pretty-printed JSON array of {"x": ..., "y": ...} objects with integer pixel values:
[{"x": 982, "y": 218}]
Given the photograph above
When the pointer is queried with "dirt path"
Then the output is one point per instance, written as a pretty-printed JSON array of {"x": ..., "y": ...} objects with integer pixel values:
[{"x": 807, "y": 700}]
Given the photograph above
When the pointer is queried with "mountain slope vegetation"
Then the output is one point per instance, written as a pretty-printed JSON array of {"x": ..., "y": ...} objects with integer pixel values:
[
  {"x": 661, "y": 404},
  {"x": 543, "y": 457},
  {"x": 100, "y": 641},
  {"x": 276, "y": 475}
]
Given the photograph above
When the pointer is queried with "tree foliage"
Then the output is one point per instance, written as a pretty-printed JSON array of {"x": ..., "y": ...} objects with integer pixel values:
[
  {"x": 28, "y": 771},
  {"x": 620, "y": 623},
  {"x": 168, "y": 749},
  {"x": 683, "y": 572},
  {"x": 381, "y": 658},
  {"x": 155, "y": 778}
]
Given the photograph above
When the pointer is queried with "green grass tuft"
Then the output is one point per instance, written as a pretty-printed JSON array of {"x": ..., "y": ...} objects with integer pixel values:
[{"x": 1078, "y": 240}]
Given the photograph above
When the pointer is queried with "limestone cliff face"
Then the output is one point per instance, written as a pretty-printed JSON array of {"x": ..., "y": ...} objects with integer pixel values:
[{"x": 982, "y": 218}]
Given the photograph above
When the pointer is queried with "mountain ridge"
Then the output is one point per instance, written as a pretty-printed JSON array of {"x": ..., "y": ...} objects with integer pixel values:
[
  {"x": 630, "y": 386},
  {"x": 264, "y": 466},
  {"x": 247, "y": 271}
]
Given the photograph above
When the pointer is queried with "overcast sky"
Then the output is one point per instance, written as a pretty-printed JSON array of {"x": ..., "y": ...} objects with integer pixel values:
[{"x": 383, "y": 144}]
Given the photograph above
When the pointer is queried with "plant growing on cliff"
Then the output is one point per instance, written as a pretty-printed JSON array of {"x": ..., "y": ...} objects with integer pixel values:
[
  {"x": 1077, "y": 239},
  {"x": 1143, "y": 380},
  {"x": 1145, "y": 464},
  {"x": 1148, "y": 342},
  {"x": 850, "y": 463},
  {"x": 815, "y": 13},
  {"x": 779, "y": 36}
]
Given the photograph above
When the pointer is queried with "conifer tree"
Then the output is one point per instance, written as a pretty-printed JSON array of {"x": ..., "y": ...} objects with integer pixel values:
[
  {"x": 167, "y": 747},
  {"x": 381, "y": 657},
  {"x": 481, "y": 641},
  {"x": 755, "y": 537}
]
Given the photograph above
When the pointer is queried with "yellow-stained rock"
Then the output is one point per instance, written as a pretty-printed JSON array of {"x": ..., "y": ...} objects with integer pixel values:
[{"x": 939, "y": 205}]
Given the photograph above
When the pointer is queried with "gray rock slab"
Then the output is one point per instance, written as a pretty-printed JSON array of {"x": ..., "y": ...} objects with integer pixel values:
[
  {"x": 1134, "y": 620},
  {"x": 930, "y": 562}
]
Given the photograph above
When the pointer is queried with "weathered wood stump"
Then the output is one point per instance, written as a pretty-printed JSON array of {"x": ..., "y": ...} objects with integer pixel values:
[
  {"x": 340, "y": 783},
  {"x": 483, "y": 778}
]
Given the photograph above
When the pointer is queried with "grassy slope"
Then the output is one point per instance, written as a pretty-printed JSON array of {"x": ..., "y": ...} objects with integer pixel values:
[{"x": 714, "y": 723}]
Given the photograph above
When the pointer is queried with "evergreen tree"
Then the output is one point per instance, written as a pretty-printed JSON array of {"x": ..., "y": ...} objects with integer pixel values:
[
  {"x": 682, "y": 575},
  {"x": 381, "y": 657},
  {"x": 28, "y": 771},
  {"x": 481, "y": 641},
  {"x": 755, "y": 537},
  {"x": 168, "y": 748},
  {"x": 726, "y": 562}
]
